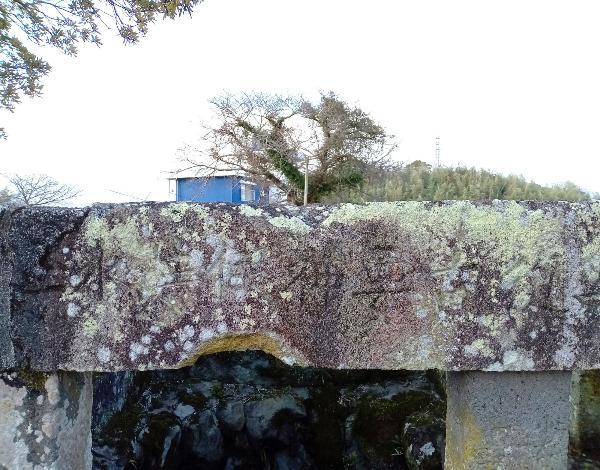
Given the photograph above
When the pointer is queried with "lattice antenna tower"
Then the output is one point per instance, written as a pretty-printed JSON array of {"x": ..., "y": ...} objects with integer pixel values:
[{"x": 437, "y": 152}]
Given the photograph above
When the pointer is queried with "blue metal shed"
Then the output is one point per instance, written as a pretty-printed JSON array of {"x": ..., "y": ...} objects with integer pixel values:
[{"x": 222, "y": 188}]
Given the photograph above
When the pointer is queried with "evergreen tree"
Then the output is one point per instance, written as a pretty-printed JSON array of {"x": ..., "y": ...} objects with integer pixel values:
[{"x": 419, "y": 181}]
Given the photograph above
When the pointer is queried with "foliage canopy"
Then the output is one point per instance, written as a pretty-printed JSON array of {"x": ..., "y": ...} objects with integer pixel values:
[
  {"x": 65, "y": 24},
  {"x": 271, "y": 138}
]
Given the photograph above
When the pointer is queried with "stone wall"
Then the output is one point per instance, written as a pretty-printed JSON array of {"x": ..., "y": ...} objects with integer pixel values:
[{"x": 454, "y": 285}]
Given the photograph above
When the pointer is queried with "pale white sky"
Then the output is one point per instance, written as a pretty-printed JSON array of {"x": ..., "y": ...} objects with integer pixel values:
[{"x": 512, "y": 86}]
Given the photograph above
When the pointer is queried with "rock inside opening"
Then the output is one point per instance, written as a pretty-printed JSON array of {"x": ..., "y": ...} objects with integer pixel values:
[{"x": 249, "y": 410}]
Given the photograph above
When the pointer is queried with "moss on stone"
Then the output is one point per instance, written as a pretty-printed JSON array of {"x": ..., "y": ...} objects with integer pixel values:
[
  {"x": 379, "y": 422},
  {"x": 33, "y": 380}
]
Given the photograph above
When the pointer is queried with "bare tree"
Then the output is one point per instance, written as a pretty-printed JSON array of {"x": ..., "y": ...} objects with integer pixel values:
[
  {"x": 270, "y": 137},
  {"x": 39, "y": 190}
]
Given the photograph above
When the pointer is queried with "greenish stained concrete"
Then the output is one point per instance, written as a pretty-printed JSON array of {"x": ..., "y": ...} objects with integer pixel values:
[{"x": 585, "y": 417}]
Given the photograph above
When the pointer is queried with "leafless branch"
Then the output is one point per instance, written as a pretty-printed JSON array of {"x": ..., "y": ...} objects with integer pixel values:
[{"x": 40, "y": 190}]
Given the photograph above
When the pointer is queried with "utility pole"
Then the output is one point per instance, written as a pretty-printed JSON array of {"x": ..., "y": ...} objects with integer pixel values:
[
  {"x": 437, "y": 152},
  {"x": 305, "y": 179}
]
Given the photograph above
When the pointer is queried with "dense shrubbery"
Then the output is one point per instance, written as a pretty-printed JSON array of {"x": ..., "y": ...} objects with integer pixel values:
[{"x": 419, "y": 181}]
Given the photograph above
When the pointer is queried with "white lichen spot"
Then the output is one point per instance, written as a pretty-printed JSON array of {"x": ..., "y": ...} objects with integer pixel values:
[
  {"x": 137, "y": 349},
  {"x": 218, "y": 315},
  {"x": 425, "y": 347},
  {"x": 183, "y": 411},
  {"x": 286, "y": 295},
  {"x": 103, "y": 354},
  {"x": 513, "y": 360},
  {"x": 426, "y": 450},
  {"x": 289, "y": 360},
  {"x": 256, "y": 256},
  {"x": 521, "y": 300},
  {"x": 188, "y": 346},
  {"x": 185, "y": 333},
  {"x": 236, "y": 281},
  {"x": 165, "y": 280},
  {"x": 75, "y": 280},
  {"x": 421, "y": 312},
  {"x": 222, "y": 328},
  {"x": 146, "y": 339},
  {"x": 73, "y": 310},
  {"x": 250, "y": 211},
  {"x": 147, "y": 230},
  {"x": 65, "y": 250},
  {"x": 196, "y": 259},
  {"x": 169, "y": 346},
  {"x": 565, "y": 356},
  {"x": 206, "y": 334}
]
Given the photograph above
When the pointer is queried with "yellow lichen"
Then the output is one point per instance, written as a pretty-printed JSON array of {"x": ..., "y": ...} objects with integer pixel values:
[
  {"x": 240, "y": 342},
  {"x": 293, "y": 224},
  {"x": 176, "y": 211},
  {"x": 90, "y": 327},
  {"x": 512, "y": 239},
  {"x": 479, "y": 346},
  {"x": 464, "y": 440},
  {"x": 590, "y": 259}
]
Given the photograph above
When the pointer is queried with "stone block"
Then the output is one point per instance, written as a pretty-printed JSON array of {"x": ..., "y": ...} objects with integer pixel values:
[{"x": 507, "y": 420}]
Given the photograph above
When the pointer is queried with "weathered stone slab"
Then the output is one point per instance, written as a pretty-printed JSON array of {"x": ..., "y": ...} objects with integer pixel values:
[
  {"x": 7, "y": 356},
  {"x": 45, "y": 421},
  {"x": 451, "y": 285},
  {"x": 508, "y": 420}
]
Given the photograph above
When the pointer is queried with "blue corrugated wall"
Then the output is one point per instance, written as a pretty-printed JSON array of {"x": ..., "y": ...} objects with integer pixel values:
[{"x": 212, "y": 189}]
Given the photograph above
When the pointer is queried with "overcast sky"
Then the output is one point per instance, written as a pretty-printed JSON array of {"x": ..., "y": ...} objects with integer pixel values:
[{"x": 511, "y": 86}]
